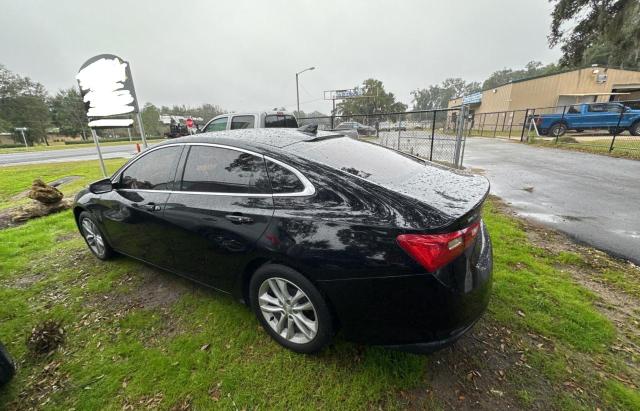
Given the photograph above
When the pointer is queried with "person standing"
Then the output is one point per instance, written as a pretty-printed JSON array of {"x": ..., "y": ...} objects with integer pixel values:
[{"x": 190, "y": 128}]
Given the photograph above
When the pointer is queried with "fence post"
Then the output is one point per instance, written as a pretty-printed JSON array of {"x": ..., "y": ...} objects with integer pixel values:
[
  {"x": 561, "y": 120},
  {"x": 524, "y": 124},
  {"x": 459, "y": 137},
  {"x": 433, "y": 131},
  {"x": 615, "y": 132},
  {"x": 399, "y": 129},
  {"x": 504, "y": 121},
  {"x": 484, "y": 117},
  {"x": 495, "y": 127},
  {"x": 513, "y": 114}
]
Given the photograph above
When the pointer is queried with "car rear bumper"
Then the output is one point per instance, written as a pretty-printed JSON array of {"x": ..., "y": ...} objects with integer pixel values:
[
  {"x": 433, "y": 346},
  {"x": 417, "y": 312}
]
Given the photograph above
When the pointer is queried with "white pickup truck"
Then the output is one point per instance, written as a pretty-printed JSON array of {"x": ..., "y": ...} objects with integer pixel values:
[{"x": 237, "y": 121}]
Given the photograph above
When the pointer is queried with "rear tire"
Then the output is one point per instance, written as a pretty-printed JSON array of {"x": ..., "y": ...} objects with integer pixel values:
[
  {"x": 7, "y": 366},
  {"x": 557, "y": 130},
  {"x": 635, "y": 129},
  {"x": 94, "y": 237},
  {"x": 290, "y": 308}
]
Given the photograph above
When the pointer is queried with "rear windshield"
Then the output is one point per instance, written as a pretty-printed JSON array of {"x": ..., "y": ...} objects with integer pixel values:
[
  {"x": 369, "y": 161},
  {"x": 280, "y": 121}
]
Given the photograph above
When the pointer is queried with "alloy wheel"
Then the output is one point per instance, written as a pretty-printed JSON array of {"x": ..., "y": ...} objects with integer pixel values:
[
  {"x": 93, "y": 236},
  {"x": 288, "y": 310}
]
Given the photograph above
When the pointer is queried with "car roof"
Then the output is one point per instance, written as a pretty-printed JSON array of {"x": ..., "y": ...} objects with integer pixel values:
[
  {"x": 255, "y": 138},
  {"x": 255, "y": 113}
]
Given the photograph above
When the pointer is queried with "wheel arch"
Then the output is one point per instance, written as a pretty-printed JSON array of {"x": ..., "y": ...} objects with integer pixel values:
[
  {"x": 77, "y": 210},
  {"x": 242, "y": 289}
]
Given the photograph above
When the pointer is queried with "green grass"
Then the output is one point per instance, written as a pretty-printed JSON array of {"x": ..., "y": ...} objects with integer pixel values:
[
  {"x": 117, "y": 353},
  {"x": 16, "y": 179},
  {"x": 626, "y": 148},
  {"x": 62, "y": 146}
]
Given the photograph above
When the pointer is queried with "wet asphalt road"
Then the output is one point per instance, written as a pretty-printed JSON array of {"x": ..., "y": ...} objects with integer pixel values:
[
  {"x": 594, "y": 199},
  {"x": 67, "y": 154}
]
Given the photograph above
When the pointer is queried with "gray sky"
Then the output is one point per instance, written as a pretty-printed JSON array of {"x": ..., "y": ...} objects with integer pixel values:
[{"x": 243, "y": 55}]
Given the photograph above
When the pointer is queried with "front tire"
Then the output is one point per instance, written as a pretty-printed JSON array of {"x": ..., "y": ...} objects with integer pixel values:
[
  {"x": 557, "y": 130},
  {"x": 94, "y": 238},
  {"x": 290, "y": 308},
  {"x": 7, "y": 366}
]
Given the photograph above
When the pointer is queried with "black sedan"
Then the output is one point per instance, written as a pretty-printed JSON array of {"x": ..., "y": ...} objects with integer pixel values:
[{"x": 316, "y": 232}]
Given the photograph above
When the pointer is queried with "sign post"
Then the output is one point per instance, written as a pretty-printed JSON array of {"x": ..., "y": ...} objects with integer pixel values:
[
  {"x": 95, "y": 140},
  {"x": 24, "y": 139}
]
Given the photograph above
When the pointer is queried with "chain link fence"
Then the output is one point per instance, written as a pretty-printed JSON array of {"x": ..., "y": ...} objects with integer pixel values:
[
  {"x": 435, "y": 135},
  {"x": 601, "y": 127}
]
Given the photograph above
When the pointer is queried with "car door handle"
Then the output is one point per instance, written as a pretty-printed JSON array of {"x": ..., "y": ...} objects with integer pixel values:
[
  {"x": 239, "y": 219},
  {"x": 149, "y": 206}
]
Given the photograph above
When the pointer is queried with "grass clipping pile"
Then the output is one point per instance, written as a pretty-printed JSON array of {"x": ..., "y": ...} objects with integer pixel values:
[{"x": 46, "y": 199}]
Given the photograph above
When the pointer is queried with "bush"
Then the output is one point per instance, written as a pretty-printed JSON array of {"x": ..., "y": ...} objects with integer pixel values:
[{"x": 11, "y": 145}]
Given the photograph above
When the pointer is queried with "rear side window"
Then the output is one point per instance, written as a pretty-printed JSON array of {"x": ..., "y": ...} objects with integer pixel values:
[
  {"x": 221, "y": 170},
  {"x": 153, "y": 171},
  {"x": 241, "y": 122},
  {"x": 280, "y": 121},
  {"x": 283, "y": 181},
  {"x": 216, "y": 125}
]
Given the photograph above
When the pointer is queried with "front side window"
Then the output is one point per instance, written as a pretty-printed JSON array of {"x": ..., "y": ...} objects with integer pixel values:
[
  {"x": 283, "y": 181},
  {"x": 153, "y": 171},
  {"x": 218, "y": 124},
  {"x": 222, "y": 170},
  {"x": 574, "y": 110},
  {"x": 280, "y": 121}
]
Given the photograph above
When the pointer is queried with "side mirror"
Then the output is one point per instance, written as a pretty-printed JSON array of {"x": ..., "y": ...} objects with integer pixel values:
[{"x": 101, "y": 186}]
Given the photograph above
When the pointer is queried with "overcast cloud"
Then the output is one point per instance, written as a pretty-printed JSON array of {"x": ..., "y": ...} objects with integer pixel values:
[{"x": 243, "y": 55}]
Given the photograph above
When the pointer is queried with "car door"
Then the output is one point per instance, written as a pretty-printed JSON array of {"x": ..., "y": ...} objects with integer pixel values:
[
  {"x": 132, "y": 211},
  {"x": 596, "y": 116},
  {"x": 220, "y": 207},
  {"x": 613, "y": 115}
]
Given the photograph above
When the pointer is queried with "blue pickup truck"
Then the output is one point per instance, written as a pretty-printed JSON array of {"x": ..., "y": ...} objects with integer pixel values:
[{"x": 614, "y": 117}]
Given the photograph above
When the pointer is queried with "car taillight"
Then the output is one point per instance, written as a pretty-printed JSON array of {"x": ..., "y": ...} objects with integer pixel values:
[{"x": 433, "y": 251}]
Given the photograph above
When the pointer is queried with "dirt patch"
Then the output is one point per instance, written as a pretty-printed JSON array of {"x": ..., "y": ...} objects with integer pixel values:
[
  {"x": 484, "y": 371},
  {"x": 147, "y": 288}
]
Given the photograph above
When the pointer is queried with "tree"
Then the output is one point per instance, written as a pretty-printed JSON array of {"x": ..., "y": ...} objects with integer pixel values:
[
  {"x": 23, "y": 104},
  {"x": 438, "y": 96},
  {"x": 531, "y": 69},
  {"x": 596, "y": 31},
  {"x": 68, "y": 112},
  {"x": 151, "y": 120},
  {"x": 377, "y": 100}
]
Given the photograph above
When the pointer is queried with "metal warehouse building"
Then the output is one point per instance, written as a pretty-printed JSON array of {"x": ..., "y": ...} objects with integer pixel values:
[{"x": 587, "y": 85}]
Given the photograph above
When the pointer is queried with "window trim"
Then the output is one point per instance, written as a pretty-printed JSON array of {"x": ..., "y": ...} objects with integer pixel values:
[{"x": 309, "y": 189}]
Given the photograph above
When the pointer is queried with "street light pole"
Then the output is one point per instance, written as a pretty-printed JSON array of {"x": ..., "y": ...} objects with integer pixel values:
[{"x": 297, "y": 90}]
